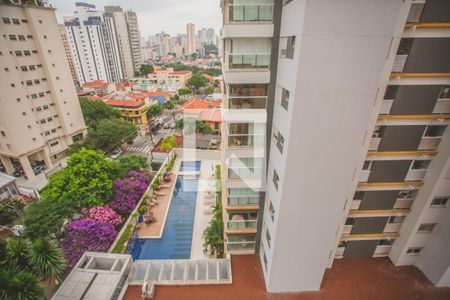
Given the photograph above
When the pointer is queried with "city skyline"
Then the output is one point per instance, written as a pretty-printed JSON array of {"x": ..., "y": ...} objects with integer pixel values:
[{"x": 153, "y": 16}]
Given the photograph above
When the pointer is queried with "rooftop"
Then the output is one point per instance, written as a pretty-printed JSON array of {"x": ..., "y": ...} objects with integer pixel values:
[
  {"x": 125, "y": 103},
  {"x": 96, "y": 83},
  {"x": 200, "y": 104},
  {"x": 210, "y": 115},
  {"x": 348, "y": 279}
]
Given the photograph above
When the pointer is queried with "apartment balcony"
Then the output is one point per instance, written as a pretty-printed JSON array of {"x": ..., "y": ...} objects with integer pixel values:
[
  {"x": 370, "y": 236},
  {"x": 429, "y": 143},
  {"x": 244, "y": 172},
  {"x": 364, "y": 176},
  {"x": 242, "y": 225},
  {"x": 389, "y": 186},
  {"x": 245, "y": 140},
  {"x": 415, "y": 175},
  {"x": 247, "y": 102},
  {"x": 397, "y": 78},
  {"x": 390, "y": 120},
  {"x": 442, "y": 106},
  {"x": 374, "y": 144},
  {"x": 240, "y": 247},
  {"x": 382, "y": 250},
  {"x": 386, "y": 106},
  {"x": 401, "y": 155},
  {"x": 243, "y": 200},
  {"x": 399, "y": 63},
  {"x": 249, "y": 61}
]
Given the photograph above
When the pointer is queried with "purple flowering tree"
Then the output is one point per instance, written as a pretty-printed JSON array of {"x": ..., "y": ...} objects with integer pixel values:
[
  {"x": 128, "y": 191},
  {"x": 102, "y": 214},
  {"x": 86, "y": 235}
]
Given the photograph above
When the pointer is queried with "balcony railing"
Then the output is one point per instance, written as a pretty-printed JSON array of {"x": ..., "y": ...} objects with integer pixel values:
[
  {"x": 243, "y": 200},
  {"x": 241, "y": 224},
  {"x": 251, "y": 12},
  {"x": 249, "y": 61},
  {"x": 240, "y": 246},
  {"x": 249, "y": 102},
  {"x": 245, "y": 140},
  {"x": 239, "y": 172}
]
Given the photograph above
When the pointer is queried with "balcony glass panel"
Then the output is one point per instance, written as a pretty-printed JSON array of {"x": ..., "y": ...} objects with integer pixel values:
[
  {"x": 248, "y": 102},
  {"x": 242, "y": 196},
  {"x": 241, "y": 242},
  {"x": 252, "y": 90},
  {"x": 245, "y": 140},
  {"x": 245, "y": 167},
  {"x": 249, "y": 61},
  {"x": 251, "y": 12},
  {"x": 242, "y": 220}
]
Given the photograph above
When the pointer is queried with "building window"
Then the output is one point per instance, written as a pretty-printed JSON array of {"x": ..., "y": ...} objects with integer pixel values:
[
  {"x": 350, "y": 221},
  {"x": 287, "y": 47},
  {"x": 420, "y": 164},
  {"x": 29, "y": 82},
  {"x": 445, "y": 92},
  {"x": 434, "y": 131},
  {"x": 24, "y": 68},
  {"x": 12, "y": 37},
  {"x": 26, "y": 53},
  {"x": 18, "y": 53},
  {"x": 24, "y": 21},
  {"x": 40, "y": 21},
  {"x": 45, "y": 37},
  {"x": 391, "y": 92},
  {"x": 405, "y": 46},
  {"x": 271, "y": 210},
  {"x": 275, "y": 179},
  {"x": 3, "y": 133},
  {"x": 414, "y": 251},
  {"x": 284, "y": 98},
  {"x": 367, "y": 166},
  {"x": 386, "y": 242},
  {"x": 54, "y": 144},
  {"x": 36, "y": 81},
  {"x": 378, "y": 132},
  {"x": 396, "y": 219},
  {"x": 439, "y": 202},
  {"x": 279, "y": 140},
  {"x": 6, "y": 21},
  {"x": 6, "y": 69},
  {"x": 21, "y": 37},
  {"x": 13, "y": 85},
  {"x": 268, "y": 238},
  {"x": 32, "y": 68},
  {"x": 426, "y": 227},
  {"x": 16, "y": 21}
]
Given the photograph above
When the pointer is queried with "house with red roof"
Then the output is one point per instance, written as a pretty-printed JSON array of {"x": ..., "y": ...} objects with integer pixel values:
[
  {"x": 212, "y": 117},
  {"x": 99, "y": 87}
]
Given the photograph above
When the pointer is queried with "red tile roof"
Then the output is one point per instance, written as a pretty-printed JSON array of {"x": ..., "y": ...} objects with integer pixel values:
[
  {"x": 181, "y": 72},
  {"x": 124, "y": 103},
  {"x": 210, "y": 115},
  {"x": 96, "y": 83},
  {"x": 200, "y": 104}
]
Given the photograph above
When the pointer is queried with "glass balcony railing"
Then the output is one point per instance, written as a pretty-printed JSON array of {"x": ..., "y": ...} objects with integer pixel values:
[
  {"x": 249, "y": 61},
  {"x": 241, "y": 246},
  {"x": 241, "y": 224},
  {"x": 255, "y": 102},
  {"x": 241, "y": 172},
  {"x": 243, "y": 200},
  {"x": 245, "y": 140},
  {"x": 251, "y": 12}
]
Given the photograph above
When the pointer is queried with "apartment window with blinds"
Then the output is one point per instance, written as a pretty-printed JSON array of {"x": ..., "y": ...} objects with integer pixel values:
[
  {"x": 275, "y": 179},
  {"x": 440, "y": 202},
  {"x": 445, "y": 92},
  {"x": 414, "y": 251},
  {"x": 426, "y": 227},
  {"x": 435, "y": 131},
  {"x": 287, "y": 47},
  {"x": 284, "y": 98},
  {"x": 278, "y": 140}
]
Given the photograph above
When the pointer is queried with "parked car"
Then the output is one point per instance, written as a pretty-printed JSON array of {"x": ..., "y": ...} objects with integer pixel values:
[
  {"x": 172, "y": 125},
  {"x": 116, "y": 153},
  {"x": 38, "y": 169},
  {"x": 18, "y": 173}
]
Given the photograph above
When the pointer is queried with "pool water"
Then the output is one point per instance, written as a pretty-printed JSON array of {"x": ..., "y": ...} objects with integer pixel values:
[
  {"x": 176, "y": 239},
  {"x": 190, "y": 166}
]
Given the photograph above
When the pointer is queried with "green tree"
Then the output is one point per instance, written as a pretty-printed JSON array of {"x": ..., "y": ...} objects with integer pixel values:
[
  {"x": 192, "y": 125},
  {"x": 125, "y": 164},
  {"x": 110, "y": 134},
  {"x": 16, "y": 284},
  {"x": 216, "y": 83},
  {"x": 184, "y": 91},
  {"x": 144, "y": 70},
  {"x": 17, "y": 254},
  {"x": 213, "y": 72},
  {"x": 168, "y": 143},
  {"x": 169, "y": 104},
  {"x": 209, "y": 90},
  {"x": 197, "y": 81},
  {"x": 154, "y": 111},
  {"x": 193, "y": 56},
  {"x": 10, "y": 209},
  {"x": 96, "y": 110},
  {"x": 210, "y": 49},
  {"x": 46, "y": 259}
]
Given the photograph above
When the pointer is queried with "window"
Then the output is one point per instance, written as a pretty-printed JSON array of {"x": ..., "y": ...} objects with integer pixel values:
[
  {"x": 385, "y": 242},
  {"x": 420, "y": 164},
  {"x": 40, "y": 21},
  {"x": 350, "y": 221},
  {"x": 279, "y": 140},
  {"x": 13, "y": 85},
  {"x": 29, "y": 82},
  {"x": 434, "y": 131},
  {"x": 24, "y": 21},
  {"x": 268, "y": 238},
  {"x": 33, "y": 96},
  {"x": 49, "y": 51},
  {"x": 275, "y": 179},
  {"x": 396, "y": 219},
  {"x": 3, "y": 133},
  {"x": 38, "y": 108},
  {"x": 49, "y": 119},
  {"x": 284, "y": 98},
  {"x": 29, "y": 36},
  {"x": 45, "y": 37},
  {"x": 36, "y": 81},
  {"x": 6, "y": 21},
  {"x": 391, "y": 92},
  {"x": 426, "y": 227},
  {"x": 405, "y": 46},
  {"x": 271, "y": 210},
  {"x": 16, "y": 21},
  {"x": 445, "y": 92},
  {"x": 53, "y": 130},
  {"x": 45, "y": 107},
  {"x": 43, "y": 121},
  {"x": 54, "y": 144},
  {"x": 32, "y": 68},
  {"x": 414, "y": 251},
  {"x": 26, "y": 53},
  {"x": 287, "y": 47},
  {"x": 439, "y": 202},
  {"x": 41, "y": 94},
  {"x": 24, "y": 68},
  {"x": 12, "y": 37},
  {"x": 47, "y": 132},
  {"x": 18, "y": 53},
  {"x": 34, "y": 51},
  {"x": 6, "y": 69},
  {"x": 367, "y": 166},
  {"x": 21, "y": 37}
]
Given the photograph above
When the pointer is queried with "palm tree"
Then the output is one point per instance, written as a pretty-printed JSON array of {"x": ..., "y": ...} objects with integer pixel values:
[
  {"x": 46, "y": 259},
  {"x": 213, "y": 234},
  {"x": 17, "y": 254},
  {"x": 15, "y": 284}
]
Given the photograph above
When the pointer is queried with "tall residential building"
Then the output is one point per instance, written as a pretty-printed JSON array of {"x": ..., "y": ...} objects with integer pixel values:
[
  {"x": 135, "y": 38},
  {"x": 123, "y": 39},
  {"x": 67, "y": 50},
  {"x": 191, "y": 39},
  {"x": 40, "y": 115},
  {"x": 94, "y": 44},
  {"x": 352, "y": 100}
]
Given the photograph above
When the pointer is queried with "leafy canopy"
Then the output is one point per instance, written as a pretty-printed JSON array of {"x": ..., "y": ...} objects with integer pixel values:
[
  {"x": 197, "y": 81},
  {"x": 94, "y": 111},
  {"x": 124, "y": 164},
  {"x": 184, "y": 91},
  {"x": 168, "y": 143},
  {"x": 111, "y": 133},
  {"x": 154, "y": 111},
  {"x": 10, "y": 209}
]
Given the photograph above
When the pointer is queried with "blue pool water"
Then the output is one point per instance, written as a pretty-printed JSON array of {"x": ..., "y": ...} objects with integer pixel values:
[
  {"x": 190, "y": 166},
  {"x": 177, "y": 236}
]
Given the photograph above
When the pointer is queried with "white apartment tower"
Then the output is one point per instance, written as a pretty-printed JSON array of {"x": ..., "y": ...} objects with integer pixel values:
[
  {"x": 94, "y": 43},
  {"x": 135, "y": 38},
  {"x": 356, "y": 101},
  {"x": 123, "y": 39},
  {"x": 40, "y": 115},
  {"x": 191, "y": 39}
]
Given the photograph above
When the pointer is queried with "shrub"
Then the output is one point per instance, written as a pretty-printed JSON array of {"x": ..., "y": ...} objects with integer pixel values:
[
  {"x": 86, "y": 235},
  {"x": 128, "y": 191},
  {"x": 10, "y": 209},
  {"x": 102, "y": 214},
  {"x": 156, "y": 165}
]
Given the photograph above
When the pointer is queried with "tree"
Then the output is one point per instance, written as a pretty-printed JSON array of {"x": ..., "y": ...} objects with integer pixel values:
[
  {"x": 154, "y": 111},
  {"x": 184, "y": 91},
  {"x": 144, "y": 70},
  {"x": 128, "y": 191},
  {"x": 211, "y": 49},
  {"x": 46, "y": 259},
  {"x": 187, "y": 124},
  {"x": 168, "y": 143},
  {"x": 102, "y": 214},
  {"x": 96, "y": 110},
  {"x": 216, "y": 83},
  {"x": 124, "y": 164},
  {"x": 193, "y": 56},
  {"x": 213, "y": 72},
  {"x": 169, "y": 104},
  {"x": 17, "y": 284},
  {"x": 10, "y": 209},
  {"x": 18, "y": 253},
  {"x": 197, "y": 81},
  {"x": 112, "y": 133},
  {"x": 209, "y": 90}
]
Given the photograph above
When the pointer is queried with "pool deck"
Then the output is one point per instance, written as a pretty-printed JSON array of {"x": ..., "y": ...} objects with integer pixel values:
[
  {"x": 155, "y": 230},
  {"x": 203, "y": 210}
]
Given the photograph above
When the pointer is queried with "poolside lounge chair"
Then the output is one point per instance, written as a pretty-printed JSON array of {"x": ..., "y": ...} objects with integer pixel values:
[{"x": 150, "y": 218}]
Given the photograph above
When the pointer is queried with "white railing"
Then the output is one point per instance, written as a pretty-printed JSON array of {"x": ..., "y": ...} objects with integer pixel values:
[
  {"x": 247, "y": 102},
  {"x": 239, "y": 172},
  {"x": 241, "y": 246},
  {"x": 415, "y": 175},
  {"x": 399, "y": 63},
  {"x": 245, "y": 140},
  {"x": 374, "y": 144},
  {"x": 364, "y": 175},
  {"x": 442, "y": 106}
]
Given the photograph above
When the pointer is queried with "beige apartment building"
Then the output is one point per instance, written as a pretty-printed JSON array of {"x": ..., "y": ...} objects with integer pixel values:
[{"x": 40, "y": 115}]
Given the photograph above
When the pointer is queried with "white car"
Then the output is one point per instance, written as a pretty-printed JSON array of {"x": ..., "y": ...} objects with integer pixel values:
[{"x": 116, "y": 153}]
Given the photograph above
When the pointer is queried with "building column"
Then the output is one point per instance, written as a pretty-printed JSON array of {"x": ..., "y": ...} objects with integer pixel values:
[
  {"x": 26, "y": 166},
  {"x": 7, "y": 163},
  {"x": 47, "y": 160}
]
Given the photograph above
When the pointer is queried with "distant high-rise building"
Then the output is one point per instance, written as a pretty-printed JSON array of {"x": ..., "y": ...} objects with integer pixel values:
[
  {"x": 191, "y": 39},
  {"x": 94, "y": 43},
  {"x": 40, "y": 115},
  {"x": 123, "y": 39},
  {"x": 67, "y": 50},
  {"x": 135, "y": 38}
]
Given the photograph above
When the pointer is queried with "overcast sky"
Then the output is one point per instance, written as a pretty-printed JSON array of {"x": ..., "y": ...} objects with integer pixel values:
[{"x": 157, "y": 15}]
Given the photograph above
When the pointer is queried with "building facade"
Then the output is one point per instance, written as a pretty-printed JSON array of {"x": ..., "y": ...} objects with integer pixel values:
[
  {"x": 94, "y": 43},
  {"x": 191, "y": 39},
  {"x": 135, "y": 38},
  {"x": 73, "y": 72},
  {"x": 132, "y": 111},
  {"x": 40, "y": 115},
  {"x": 357, "y": 149}
]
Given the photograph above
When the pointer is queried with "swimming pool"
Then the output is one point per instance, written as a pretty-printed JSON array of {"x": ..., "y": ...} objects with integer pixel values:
[
  {"x": 190, "y": 166},
  {"x": 176, "y": 239}
]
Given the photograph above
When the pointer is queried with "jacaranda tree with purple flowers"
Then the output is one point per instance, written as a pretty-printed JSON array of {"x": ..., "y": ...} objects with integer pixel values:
[
  {"x": 128, "y": 191},
  {"x": 86, "y": 235}
]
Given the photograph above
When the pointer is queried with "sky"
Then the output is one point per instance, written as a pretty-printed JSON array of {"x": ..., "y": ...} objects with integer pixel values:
[{"x": 170, "y": 16}]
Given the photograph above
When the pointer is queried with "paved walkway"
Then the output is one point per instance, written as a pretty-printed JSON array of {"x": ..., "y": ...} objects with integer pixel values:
[
  {"x": 349, "y": 279},
  {"x": 203, "y": 210},
  {"x": 160, "y": 211}
]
